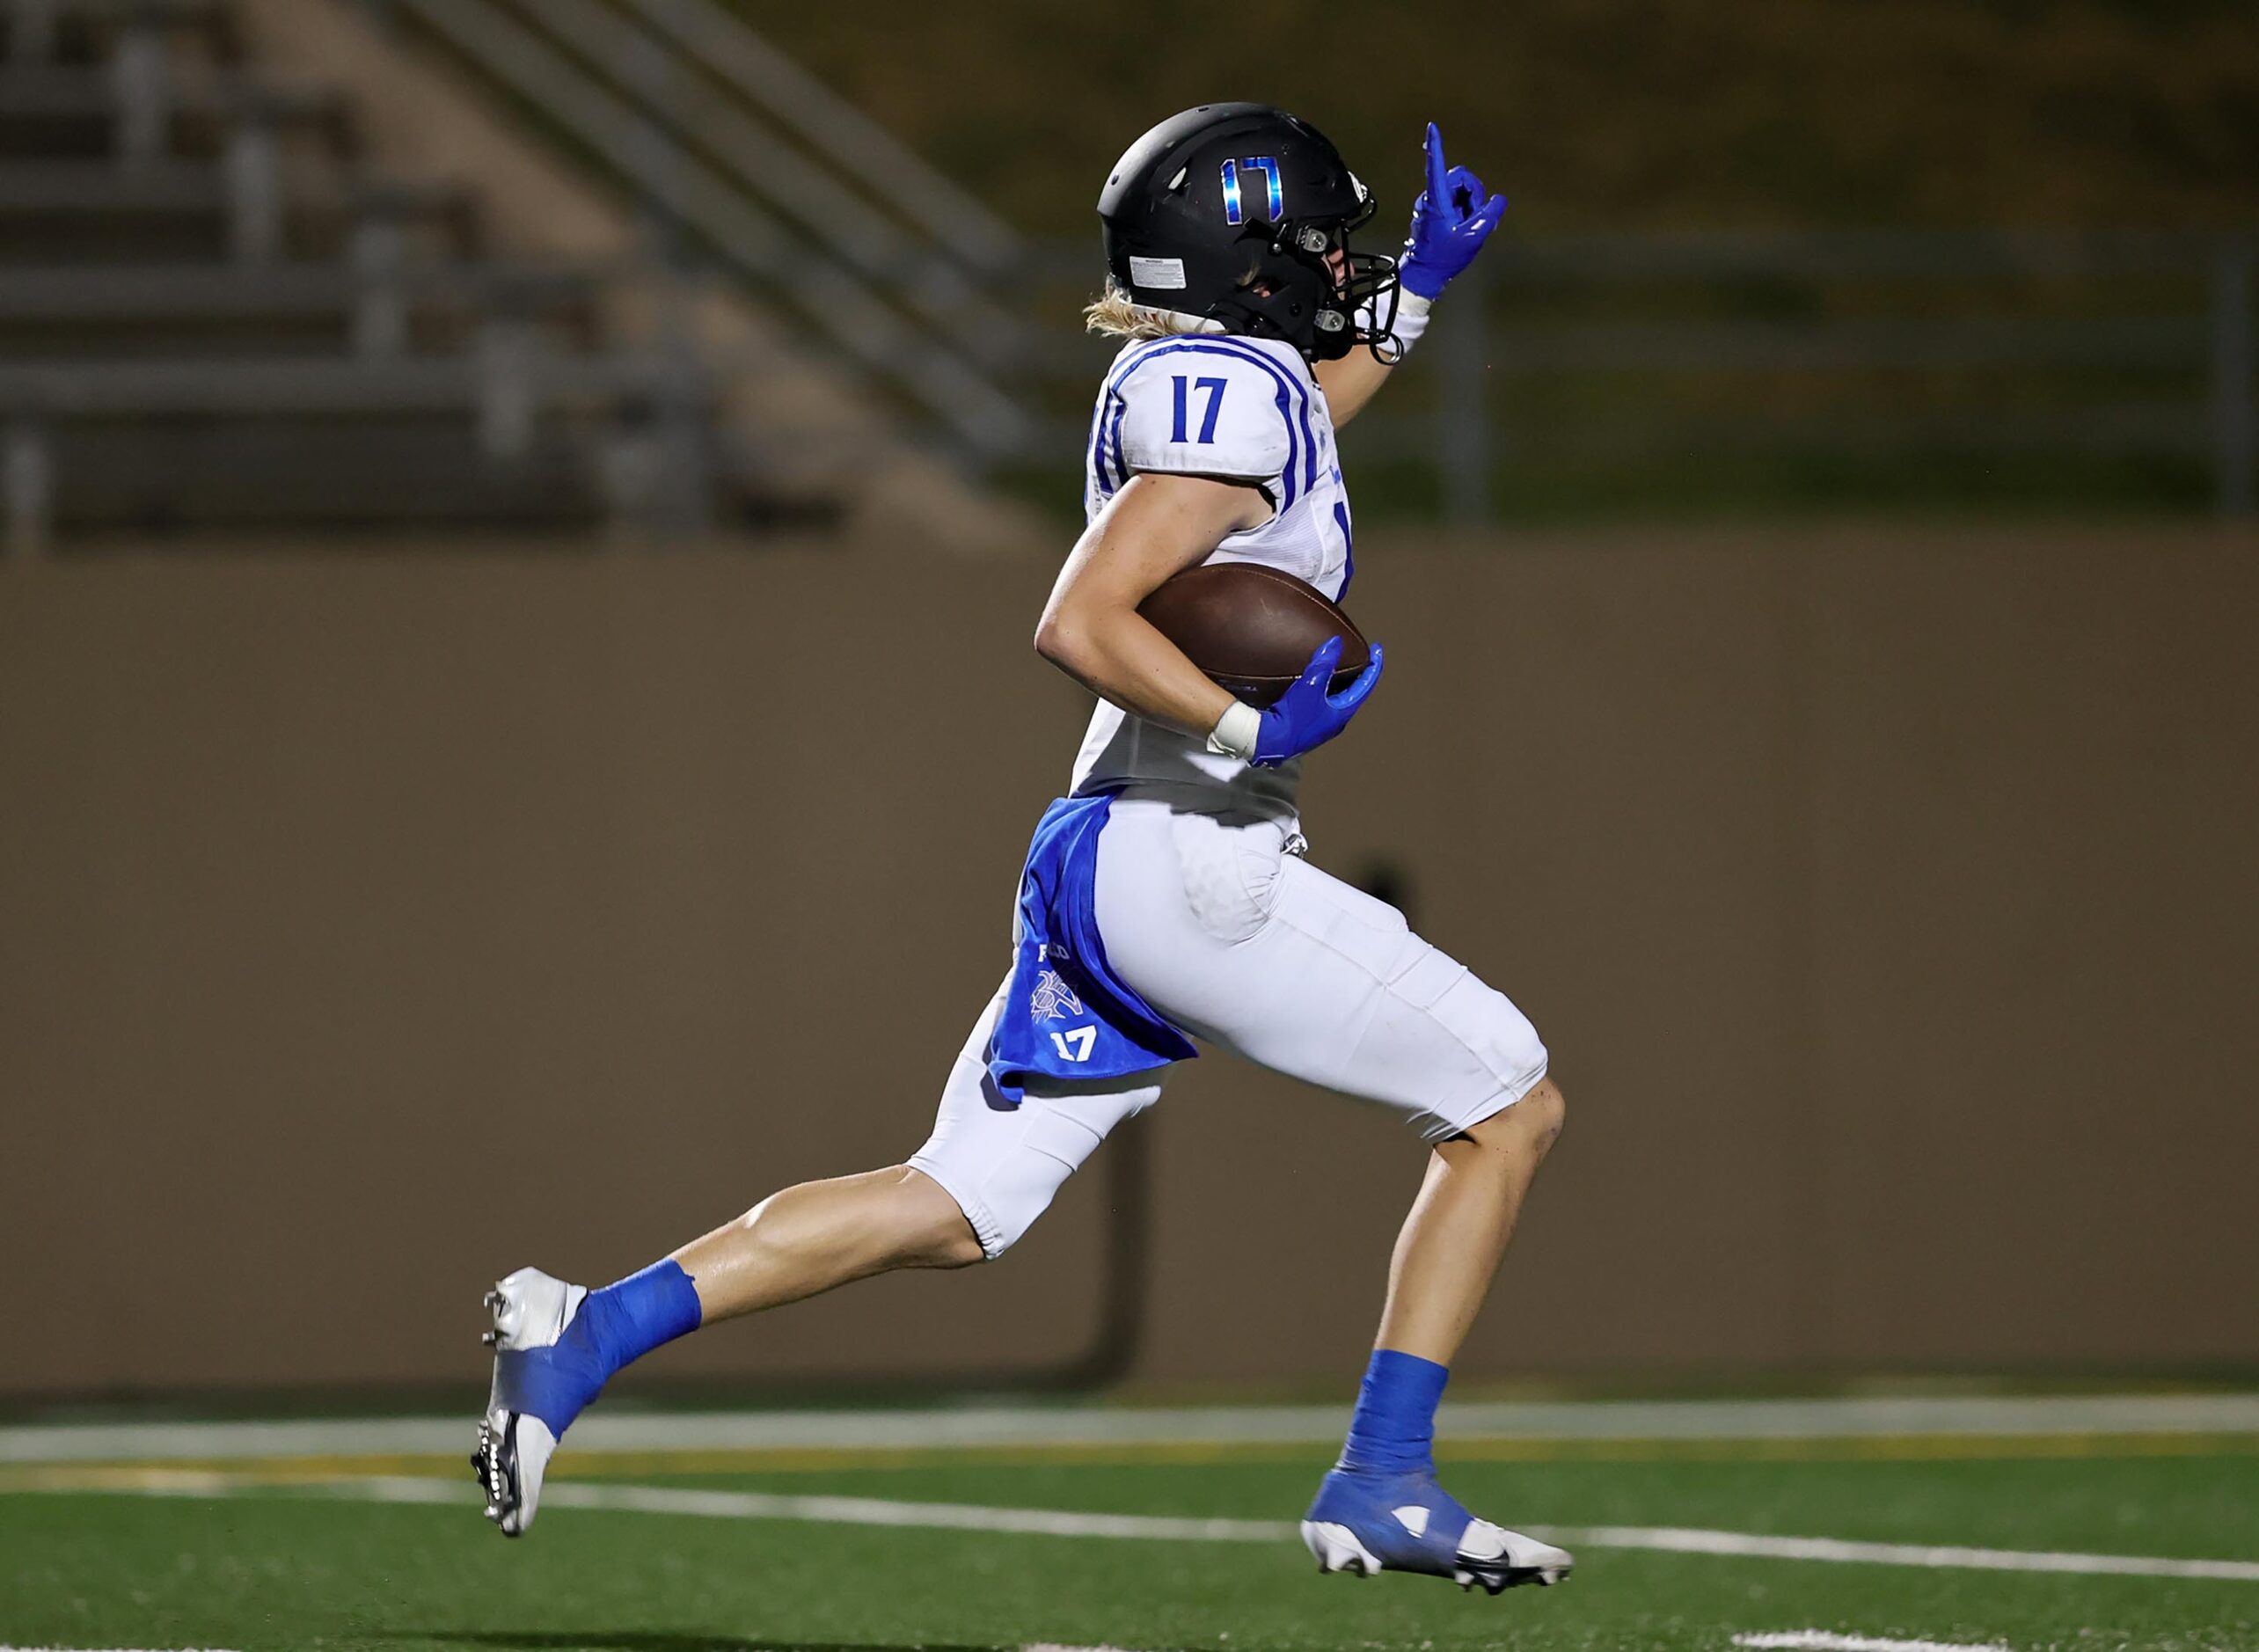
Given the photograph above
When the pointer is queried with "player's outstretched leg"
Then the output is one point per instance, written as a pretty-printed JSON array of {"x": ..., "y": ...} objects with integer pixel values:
[{"x": 1381, "y": 1509}]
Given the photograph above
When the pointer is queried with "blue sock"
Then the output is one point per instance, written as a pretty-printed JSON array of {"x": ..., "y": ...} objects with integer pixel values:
[
  {"x": 623, "y": 1321},
  {"x": 618, "y": 1324},
  {"x": 1392, "y": 1430}
]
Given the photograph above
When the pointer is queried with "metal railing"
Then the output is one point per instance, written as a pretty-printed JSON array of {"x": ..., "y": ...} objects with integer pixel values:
[
  {"x": 726, "y": 142},
  {"x": 797, "y": 100}
]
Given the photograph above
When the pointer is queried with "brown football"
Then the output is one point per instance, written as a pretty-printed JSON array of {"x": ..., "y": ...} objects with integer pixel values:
[{"x": 1251, "y": 628}]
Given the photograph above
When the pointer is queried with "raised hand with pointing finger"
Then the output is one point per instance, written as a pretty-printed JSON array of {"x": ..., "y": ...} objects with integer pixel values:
[{"x": 1452, "y": 218}]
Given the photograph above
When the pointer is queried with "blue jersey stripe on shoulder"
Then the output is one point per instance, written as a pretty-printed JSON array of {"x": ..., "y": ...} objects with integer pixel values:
[
  {"x": 1120, "y": 470},
  {"x": 1095, "y": 489}
]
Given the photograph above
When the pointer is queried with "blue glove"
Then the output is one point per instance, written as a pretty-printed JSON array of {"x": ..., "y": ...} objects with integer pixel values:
[
  {"x": 1306, "y": 716},
  {"x": 1451, "y": 221}
]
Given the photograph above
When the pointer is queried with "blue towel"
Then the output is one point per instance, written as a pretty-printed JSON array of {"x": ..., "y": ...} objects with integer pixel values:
[{"x": 1067, "y": 1015}]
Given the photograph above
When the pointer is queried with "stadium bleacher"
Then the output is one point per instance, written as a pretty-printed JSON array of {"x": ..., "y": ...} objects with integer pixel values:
[{"x": 217, "y": 311}]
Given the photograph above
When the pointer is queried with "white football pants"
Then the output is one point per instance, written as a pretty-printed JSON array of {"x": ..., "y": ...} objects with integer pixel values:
[{"x": 1247, "y": 945}]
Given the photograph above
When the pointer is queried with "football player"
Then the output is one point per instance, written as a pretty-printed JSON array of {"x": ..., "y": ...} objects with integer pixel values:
[{"x": 1167, "y": 897}]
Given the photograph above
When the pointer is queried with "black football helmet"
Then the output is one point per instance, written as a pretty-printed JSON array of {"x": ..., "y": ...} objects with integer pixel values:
[{"x": 1232, "y": 211}]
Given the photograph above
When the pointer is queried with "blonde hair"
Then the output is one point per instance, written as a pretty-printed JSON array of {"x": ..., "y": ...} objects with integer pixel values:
[{"x": 1118, "y": 316}]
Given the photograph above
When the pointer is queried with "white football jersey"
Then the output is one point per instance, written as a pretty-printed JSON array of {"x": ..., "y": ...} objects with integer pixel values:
[{"x": 1248, "y": 410}]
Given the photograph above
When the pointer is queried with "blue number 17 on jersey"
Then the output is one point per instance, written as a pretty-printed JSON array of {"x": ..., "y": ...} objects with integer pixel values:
[{"x": 1213, "y": 388}]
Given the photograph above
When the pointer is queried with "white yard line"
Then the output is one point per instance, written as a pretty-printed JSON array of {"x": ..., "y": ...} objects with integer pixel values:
[
  {"x": 744, "y": 1505},
  {"x": 1824, "y": 1641},
  {"x": 1102, "y": 1426},
  {"x": 877, "y": 1511},
  {"x": 1690, "y": 1541}
]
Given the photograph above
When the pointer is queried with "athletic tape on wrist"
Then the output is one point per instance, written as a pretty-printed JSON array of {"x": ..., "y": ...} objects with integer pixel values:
[
  {"x": 1235, "y": 731},
  {"x": 1411, "y": 320}
]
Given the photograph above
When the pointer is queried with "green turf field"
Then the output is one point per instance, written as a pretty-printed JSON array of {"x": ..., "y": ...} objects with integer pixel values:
[{"x": 251, "y": 1565}]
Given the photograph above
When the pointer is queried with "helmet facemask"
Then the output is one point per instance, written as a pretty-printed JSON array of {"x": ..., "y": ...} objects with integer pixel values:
[
  {"x": 1292, "y": 289},
  {"x": 1368, "y": 284}
]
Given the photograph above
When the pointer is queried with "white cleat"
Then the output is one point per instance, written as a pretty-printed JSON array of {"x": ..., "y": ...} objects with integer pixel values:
[
  {"x": 1498, "y": 1560},
  {"x": 1488, "y": 1554},
  {"x": 530, "y": 1311}
]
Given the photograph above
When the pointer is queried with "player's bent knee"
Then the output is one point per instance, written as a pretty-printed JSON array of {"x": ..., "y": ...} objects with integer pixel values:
[
  {"x": 1528, "y": 1128},
  {"x": 990, "y": 1207},
  {"x": 956, "y": 1247},
  {"x": 1537, "y": 1117},
  {"x": 941, "y": 1234},
  {"x": 1549, "y": 1113}
]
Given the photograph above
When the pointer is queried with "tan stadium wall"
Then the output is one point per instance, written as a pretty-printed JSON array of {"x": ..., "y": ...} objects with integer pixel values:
[{"x": 369, "y": 926}]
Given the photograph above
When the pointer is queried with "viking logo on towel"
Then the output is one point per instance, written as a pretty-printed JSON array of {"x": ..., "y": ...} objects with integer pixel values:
[{"x": 1053, "y": 999}]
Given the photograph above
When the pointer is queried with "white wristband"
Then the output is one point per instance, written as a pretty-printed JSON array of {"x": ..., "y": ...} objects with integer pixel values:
[
  {"x": 1411, "y": 320},
  {"x": 1235, "y": 731}
]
